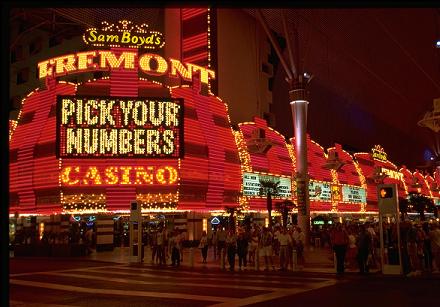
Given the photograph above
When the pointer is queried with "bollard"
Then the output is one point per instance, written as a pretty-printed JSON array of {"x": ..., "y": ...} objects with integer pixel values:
[
  {"x": 257, "y": 259},
  {"x": 335, "y": 262},
  {"x": 191, "y": 257},
  {"x": 222, "y": 259},
  {"x": 294, "y": 260}
]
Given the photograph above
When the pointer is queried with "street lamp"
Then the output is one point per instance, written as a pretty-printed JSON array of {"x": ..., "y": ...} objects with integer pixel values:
[{"x": 298, "y": 103}]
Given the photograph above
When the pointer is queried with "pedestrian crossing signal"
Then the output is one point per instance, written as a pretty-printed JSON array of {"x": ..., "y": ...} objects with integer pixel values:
[{"x": 386, "y": 192}]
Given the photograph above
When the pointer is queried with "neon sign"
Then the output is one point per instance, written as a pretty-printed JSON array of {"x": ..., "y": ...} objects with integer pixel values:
[
  {"x": 118, "y": 175},
  {"x": 124, "y": 34},
  {"x": 149, "y": 63},
  {"x": 392, "y": 173},
  {"x": 378, "y": 153},
  {"x": 101, "y": 127}
]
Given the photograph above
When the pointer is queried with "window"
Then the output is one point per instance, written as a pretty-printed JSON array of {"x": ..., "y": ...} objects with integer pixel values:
[
  {"x": 36, "y": 46},
  {"x": 17, "y": 54},
  {"x": 23, "y": 76},
  {"x": 54, "y": 40}
]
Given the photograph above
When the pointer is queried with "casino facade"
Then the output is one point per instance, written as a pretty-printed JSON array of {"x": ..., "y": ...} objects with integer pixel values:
[{"x": 93, "y": 147}]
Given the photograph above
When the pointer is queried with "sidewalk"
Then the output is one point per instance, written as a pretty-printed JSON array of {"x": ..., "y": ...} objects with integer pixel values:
[{"x": 317, "y": 260}]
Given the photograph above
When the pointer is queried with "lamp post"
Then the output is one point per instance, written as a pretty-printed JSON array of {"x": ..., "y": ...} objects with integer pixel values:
[{"x": 299, "y": 104}]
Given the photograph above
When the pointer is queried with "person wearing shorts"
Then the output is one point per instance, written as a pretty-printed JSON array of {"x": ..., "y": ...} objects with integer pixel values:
[{"x": 266, "y": 241}]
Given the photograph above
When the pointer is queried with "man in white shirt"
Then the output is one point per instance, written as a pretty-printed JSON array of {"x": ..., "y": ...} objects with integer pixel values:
[{"x": 284, "y": 240}]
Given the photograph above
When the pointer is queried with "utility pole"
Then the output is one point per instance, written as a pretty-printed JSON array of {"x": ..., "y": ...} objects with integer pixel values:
[{"x": 298, "y": 103}]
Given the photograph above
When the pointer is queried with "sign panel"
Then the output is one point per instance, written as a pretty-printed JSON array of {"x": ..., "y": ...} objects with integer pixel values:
[
  {"x": 353, "y": 194},
  {"x": 106, "y": 127},
  {"x": 251, "y": 184},
  {"x": 319, "y": 191},
  {"x": 124, "y": 34},
  {"x": 378, "y": 153}
]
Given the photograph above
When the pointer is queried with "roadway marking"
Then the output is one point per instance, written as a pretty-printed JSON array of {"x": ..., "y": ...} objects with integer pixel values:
[
  {"x": 297, "y": 283},
  {"x": 155, "y": 282},
  {"x": 68, "y": 270},
  {"x": 242, "y": 273},
  {"x": 19, "y": 303},
  {"x": 119, "y": 292},
  {"x": 270, "y": 296}
]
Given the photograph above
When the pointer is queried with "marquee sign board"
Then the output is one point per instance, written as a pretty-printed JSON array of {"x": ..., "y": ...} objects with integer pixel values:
[
  {"x": 353, "y": 194},
  {"x": 251, "y": 184},
  {"x": 106, "y": 127}
]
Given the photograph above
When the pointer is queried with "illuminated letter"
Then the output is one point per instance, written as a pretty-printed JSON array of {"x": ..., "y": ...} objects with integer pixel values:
[
  {"x": 85, "y": 59},
  {"x": 125, "y": 37},
  {"x": 168, "y": 138},
  {"x": 91, "y": 141},
  {"x": 140, "y": 104},
  {"x": 92, "y": 35},
  {"x": 73, "y": 140},
  {"x": 178, "y": 68},
  {"x": 109, "y": 141},
  {"x": 64, "y": 64},
  {"x": 111, "y": 175},
  {"x": 44, "y": 70},
  {"x": 125, "y": 136},
  {"x": 67, "y": 109},
  {"x": 112, "y": 38},
  {"x": 88, "y": 112},
  {"x": 156, "y": 120},
  {"x": 204, "y": 73},
  {"x": 126, "y": 107},
  {"x": 106, "y": 108},
  {"x": 79, "y": 112},
  {"x": 172, "y": 175},
  {"x": 153, "y": 144},
  {"x": 144, "y": 64},
  {"x": 171, "y": 114},
  {"x": 92, "y": 174},
  {"x": 65, "y": 175},
  {"x": 126, "y": 174},
  {"x": 146, "y": 176},
  {"x": 139, "y": 141},
  {"x": 109, "y": 57}
]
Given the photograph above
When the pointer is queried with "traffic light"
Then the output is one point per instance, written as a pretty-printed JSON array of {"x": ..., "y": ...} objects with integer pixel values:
[
  {"x": 387, "y": 195},
  {"x": 386, "y": 192}
]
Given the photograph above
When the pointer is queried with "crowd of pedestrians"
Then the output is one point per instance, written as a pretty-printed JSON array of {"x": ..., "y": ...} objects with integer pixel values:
[
  {"x": 358, "y": 246},
  {"x": 355, "y": 246}
]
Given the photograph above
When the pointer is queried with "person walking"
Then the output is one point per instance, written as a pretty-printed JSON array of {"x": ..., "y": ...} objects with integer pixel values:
[
  {"x": 88, "y": 236},
  {"x": 160, "y": 246},
  {"x": 242, "y": 250},
  {"x": 339, "y": 241},
  {"x": 266, "y": 242},
  {"x": 434, "y": 235},
  {"x": 284, "y": 240},
  {"x": 221, "y": 243},
  {"x": 203, "y": 246},
  {"x": 364, "y": 248},
  {"x": 174, "y": 247},
  {"x": 231, "y": 248},
  {"x": 298, "y": 236},
  {"x": 427, "y": 247},
  {"x": 214, "y": 242},
  {"x": 253, "y": 246}
]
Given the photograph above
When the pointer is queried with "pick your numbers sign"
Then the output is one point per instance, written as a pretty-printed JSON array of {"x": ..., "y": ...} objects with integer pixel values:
[{"x": 102, "y": 127}]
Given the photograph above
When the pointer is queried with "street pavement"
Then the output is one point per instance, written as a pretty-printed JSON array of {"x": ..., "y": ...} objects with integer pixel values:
[{"x": 109, "y": 279}]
